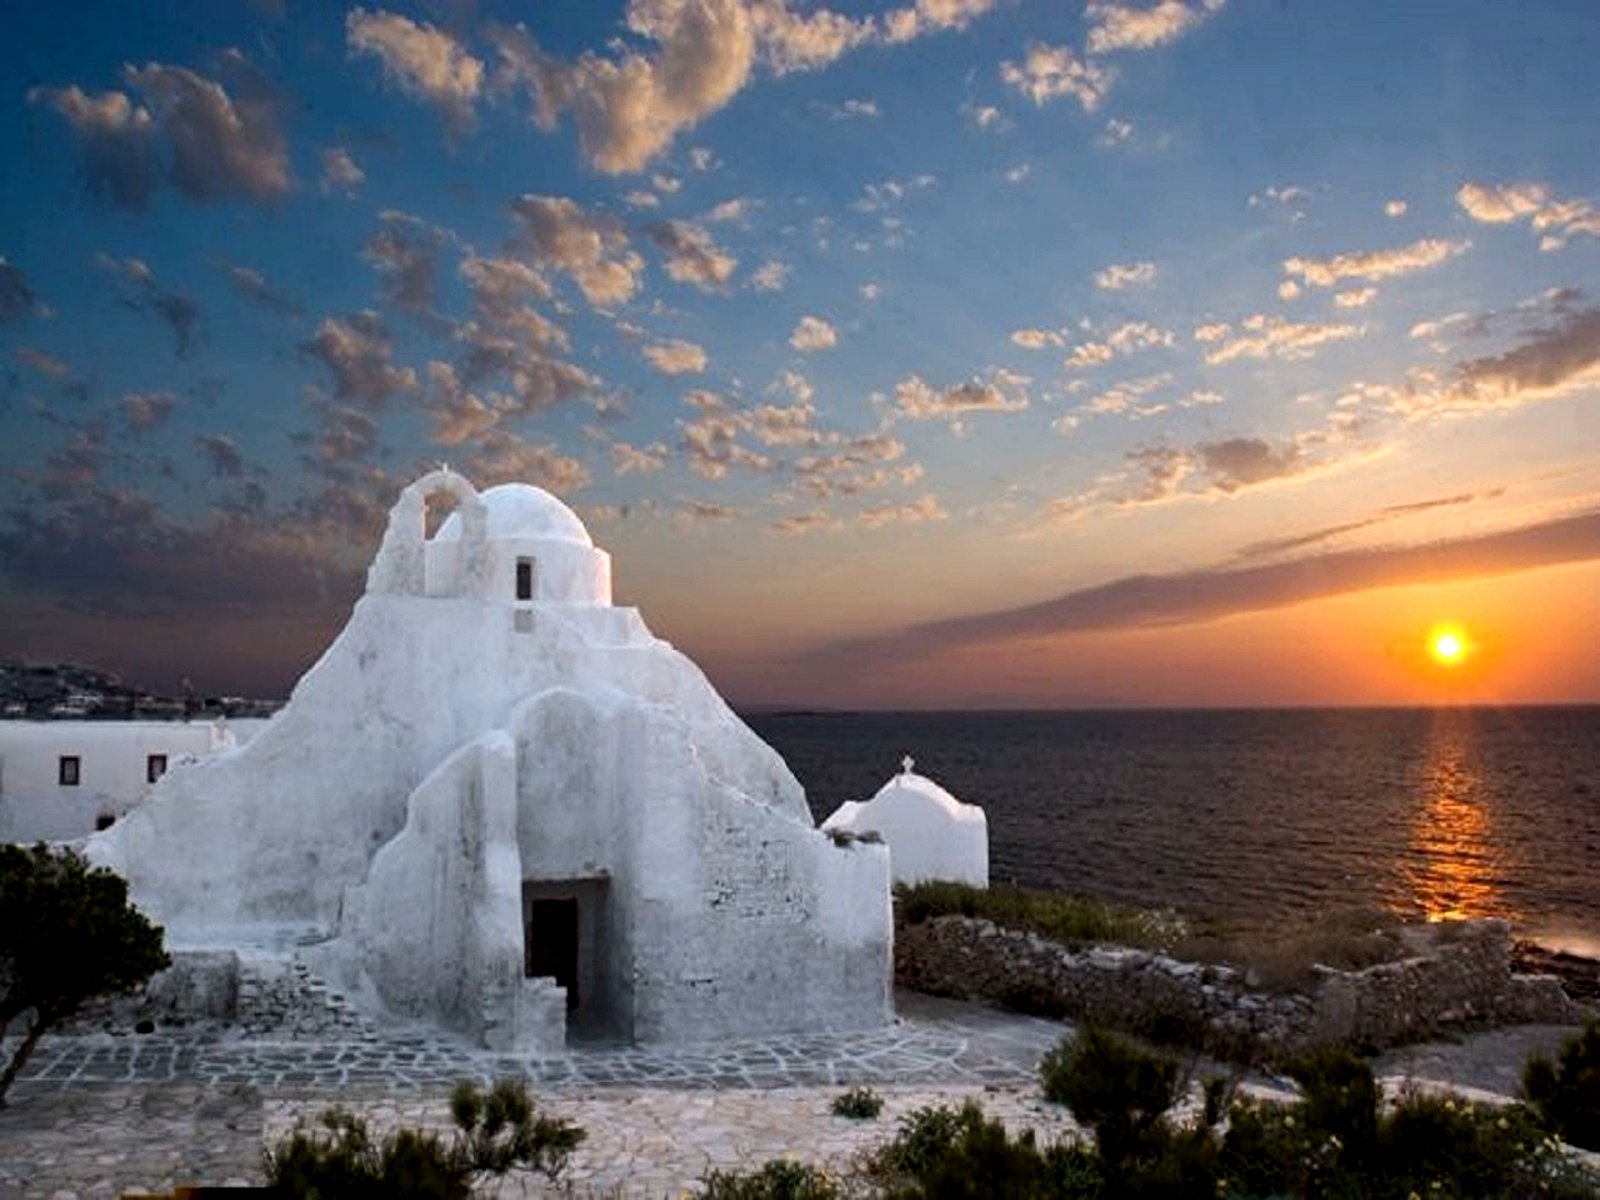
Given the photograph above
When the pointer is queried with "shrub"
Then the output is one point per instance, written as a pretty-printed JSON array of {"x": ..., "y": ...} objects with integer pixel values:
[
  {"x": 1566, "y": 1094},
  {"x": 1116, "y": 1088},
  {"x": 496, "y": 1132},
  {"x": 1071, "y": 920},
  {"x": 859, "y": 1104},
  {"x": 943, "y": 1153},
  {"x": 67, "y": 935},
  {"x": 779, "y": 1179}
]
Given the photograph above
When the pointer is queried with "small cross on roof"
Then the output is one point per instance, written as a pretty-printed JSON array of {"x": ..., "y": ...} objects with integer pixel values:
[{"x": 907, "y": 763}]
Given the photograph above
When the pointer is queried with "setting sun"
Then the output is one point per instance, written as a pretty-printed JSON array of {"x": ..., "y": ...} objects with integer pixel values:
[{"x": 1447, "y": 644}]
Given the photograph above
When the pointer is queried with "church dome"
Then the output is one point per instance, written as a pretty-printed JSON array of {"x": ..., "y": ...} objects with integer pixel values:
[{"x": 520, "y": 510}]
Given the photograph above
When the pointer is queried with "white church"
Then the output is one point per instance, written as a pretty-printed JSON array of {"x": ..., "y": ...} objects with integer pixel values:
[{"x": 498, "y": 804}]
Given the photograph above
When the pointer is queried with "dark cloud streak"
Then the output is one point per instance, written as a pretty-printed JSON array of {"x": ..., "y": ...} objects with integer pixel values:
[{"x": 1156, "y": 600}]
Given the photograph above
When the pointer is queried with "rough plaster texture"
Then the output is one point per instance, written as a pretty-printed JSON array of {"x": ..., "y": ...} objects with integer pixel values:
[
  {"x": 930, "y": 834},
  {"x": 459, "y": 749}
]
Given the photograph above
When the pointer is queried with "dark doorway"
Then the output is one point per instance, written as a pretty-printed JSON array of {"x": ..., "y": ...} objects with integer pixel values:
[
  {"x": 568, "y": 935},
  {"x": 551, "y": 941}
]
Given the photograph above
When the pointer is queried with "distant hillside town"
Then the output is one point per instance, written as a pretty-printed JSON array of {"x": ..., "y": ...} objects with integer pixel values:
[{"x": 68, "y": 691}]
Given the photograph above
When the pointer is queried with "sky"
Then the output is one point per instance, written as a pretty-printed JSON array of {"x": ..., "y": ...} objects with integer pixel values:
[{"x": 909, "y": 353}]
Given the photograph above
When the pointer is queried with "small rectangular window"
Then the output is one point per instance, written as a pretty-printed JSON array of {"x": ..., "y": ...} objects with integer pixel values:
[
  {"x": 68, "y": 770},
  {"x": 104, "y": 821},
  {"x": 155, "y": 766},
  {"x": 524, "y": 579}
]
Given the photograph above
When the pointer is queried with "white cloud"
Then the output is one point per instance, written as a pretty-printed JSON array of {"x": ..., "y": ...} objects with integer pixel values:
[
  {"x": 932, "y": 16},
  {"x": 813, "y": 334},
  {"x": 1089, "y": 354},
  {"x": 729, "y": 210},
  {"x": 1356, "y": 297},
  {"x": 1036, "y": 339},
  {"x": 1120, "y": 26},
  {"x": 340, "y": 173},
  {"x": 676, "y": 357},
  {"x": 1557, "y": 220},
  {"x": 1050, "y": 72},
  {"x": 1289, "y": 289},
  {"x": 590, "y": 247},
  {"x": 421, "y": 60},
  {"x": 1019, "y": 172},
  {"x": 222, "y": 144},
  {"x": 1133, "y": 336},
  {"x": 1502, "y": 204},
  {"x": 1263, "y": 336},
  {"x": 631, "y": 104},
  {"x": 1116, "y": 132},
  {"x": 693, "y": 255},
  {"x": 1003, "y": 392},
  {"x": 1124, "y": 275},
  {"x": 1395, "y": 208},
  {"x": 770, "y": 276},
  {"x": 638, "y": 460},
  {"x": 1375, "y": 264},
  {"x": 927, "y": 508}
]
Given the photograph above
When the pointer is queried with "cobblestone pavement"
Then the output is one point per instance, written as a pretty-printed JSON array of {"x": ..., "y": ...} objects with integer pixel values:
[
  {"x": 98, "y": 1114},
  {"x": 934, "y": 1041}
]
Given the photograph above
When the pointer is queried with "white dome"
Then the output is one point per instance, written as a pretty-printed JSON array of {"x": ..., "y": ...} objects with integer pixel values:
[
  {"x": 920, "y": 785},
  {"x": 520, "y": 510}
]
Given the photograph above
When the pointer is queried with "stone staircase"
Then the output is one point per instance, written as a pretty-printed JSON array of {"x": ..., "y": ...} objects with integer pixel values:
[{"x": 282, "y": 999}]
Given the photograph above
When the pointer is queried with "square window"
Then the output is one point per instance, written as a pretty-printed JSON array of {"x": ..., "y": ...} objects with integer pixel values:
[
  {"x": 155, "y": 766},
  {"x": 69, "y": 769},
  {"x": 104, "y": 821}
]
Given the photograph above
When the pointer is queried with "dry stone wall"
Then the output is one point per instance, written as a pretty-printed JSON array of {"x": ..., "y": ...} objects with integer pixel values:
[{"x": 1456, "y": 982}]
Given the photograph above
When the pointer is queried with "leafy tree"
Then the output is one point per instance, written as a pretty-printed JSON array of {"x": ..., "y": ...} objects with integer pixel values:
[{"x": 67, "y": 935}]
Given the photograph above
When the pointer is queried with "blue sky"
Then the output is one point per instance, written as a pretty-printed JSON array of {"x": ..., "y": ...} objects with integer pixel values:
[{"x": 838, "y": 325}]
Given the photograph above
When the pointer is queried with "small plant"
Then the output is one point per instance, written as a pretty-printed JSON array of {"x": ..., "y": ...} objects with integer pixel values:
[
  {"x": 1566, "y": 1094},
  {"x": 780, "y": 1179},
  {"x": 496, "y": 1132},
  {"x": 859, "y": 1104}
]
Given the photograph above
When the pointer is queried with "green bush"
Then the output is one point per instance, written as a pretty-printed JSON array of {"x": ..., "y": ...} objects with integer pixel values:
[
  {"x": 859, "y": 1104},
  {"x": 1071, "y": 920},
  {"x": 779, "y": 1179},
  {"x": 496, "y": 1132},
  {"x": 1336, "y": 1142},
  {"x": 1566, "y": 1094},
  {"x": 943, "y": 1153},
  {"x": 1118, "y": 1089}
]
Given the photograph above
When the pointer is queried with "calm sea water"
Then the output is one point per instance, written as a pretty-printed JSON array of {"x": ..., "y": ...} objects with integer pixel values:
[{"x": 1266, "y": 816}]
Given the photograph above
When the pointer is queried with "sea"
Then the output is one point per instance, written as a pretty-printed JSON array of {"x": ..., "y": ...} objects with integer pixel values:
[{"x": 1260, "y": 817}]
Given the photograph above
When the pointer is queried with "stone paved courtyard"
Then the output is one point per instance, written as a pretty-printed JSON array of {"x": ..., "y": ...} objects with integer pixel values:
[{"x": 98, "y": 1114}]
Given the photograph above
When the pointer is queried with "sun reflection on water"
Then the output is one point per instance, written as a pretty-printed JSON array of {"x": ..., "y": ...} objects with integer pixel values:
[{"x": 1452, "y": 869}]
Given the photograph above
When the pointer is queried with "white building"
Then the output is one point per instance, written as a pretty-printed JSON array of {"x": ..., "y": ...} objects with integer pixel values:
[
  {"x": 500, "y": 804},
  {"x": 61, "y": 780},
  {"x": 930, "y": 834}
]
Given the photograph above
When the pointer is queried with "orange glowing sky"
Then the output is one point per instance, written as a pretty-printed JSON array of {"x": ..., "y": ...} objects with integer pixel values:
[{"x": 1006, "y": 353}]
